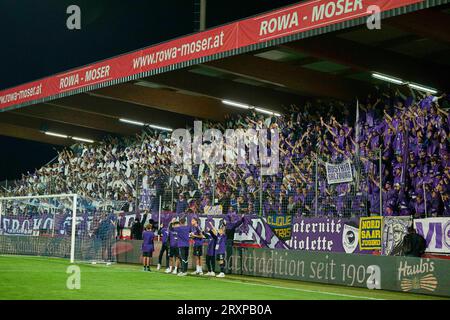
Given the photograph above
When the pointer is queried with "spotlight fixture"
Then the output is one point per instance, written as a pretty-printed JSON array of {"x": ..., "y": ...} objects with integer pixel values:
[
  {"x": 236, "y": 104},
  {"x": 53, "y": 134},
  {"x": 246, "y": 106},
  {"x": 386, "y": 78},
  {"x": 422, "y": 88},
  {"x": 137, "y": 123},
  {"x": 83, "y": 139}
]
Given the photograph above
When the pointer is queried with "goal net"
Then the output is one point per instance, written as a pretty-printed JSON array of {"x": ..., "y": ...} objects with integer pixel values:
[{"x": 42, "y": 226}]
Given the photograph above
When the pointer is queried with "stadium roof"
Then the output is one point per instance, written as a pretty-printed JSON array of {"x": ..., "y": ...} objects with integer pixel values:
[{"x": 275, "y": 59}]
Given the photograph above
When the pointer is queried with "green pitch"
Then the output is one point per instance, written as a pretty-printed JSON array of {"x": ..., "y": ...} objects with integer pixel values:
[{"x": 45, "y": 278}]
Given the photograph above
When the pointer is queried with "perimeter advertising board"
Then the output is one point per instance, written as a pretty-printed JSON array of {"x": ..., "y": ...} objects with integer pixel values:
[{"x": 415, "y": 275}]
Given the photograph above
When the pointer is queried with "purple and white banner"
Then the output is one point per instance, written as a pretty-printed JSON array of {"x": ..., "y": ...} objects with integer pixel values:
[
  {"x": 436, "y": 232},
  {"x": 325, "y": 234},
  {"x": 309, "y": 234},
  {"x": 59, "y": 224}
]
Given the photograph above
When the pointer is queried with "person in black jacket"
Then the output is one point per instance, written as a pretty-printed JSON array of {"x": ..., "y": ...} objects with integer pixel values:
[
  {"x": 230, "y": 230},
  {"x": 136, "y": 230},
  {"x": 414, "y": 245}
]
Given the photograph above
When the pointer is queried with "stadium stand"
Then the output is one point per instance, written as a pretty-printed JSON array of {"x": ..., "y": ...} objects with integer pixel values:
[{"x": 411, "y": 132}]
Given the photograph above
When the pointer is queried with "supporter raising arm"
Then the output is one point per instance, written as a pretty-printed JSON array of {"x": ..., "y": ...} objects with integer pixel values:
[{"x": 220, "y": 239}]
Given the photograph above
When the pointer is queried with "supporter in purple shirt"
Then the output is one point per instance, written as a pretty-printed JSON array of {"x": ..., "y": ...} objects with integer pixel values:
[
  {"x": 183, "y": 234},
  {"x": 220, "y": 248},
  {"x": 374, "y": 197},
  {"x": 398, "y": 176},
  {"x": 419, "y": 207},
  {"x": 389, "y": 211},
  {"x": 197, "y": 235},
  {"x": 446, "y": 204},
  {"x": 182, "y": 204},
  {"x": 147, "y": 246},
  {"x": 403, "y": 205},
  {"x": 269, "y": 207},
  {"x": 173, "y": 247},
  {"x": 398, "y": 142},
  {"x": 436, "y": 205}
]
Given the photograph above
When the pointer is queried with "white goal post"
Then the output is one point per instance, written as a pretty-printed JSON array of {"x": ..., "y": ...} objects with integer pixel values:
[{"x": 74, "y": 198}]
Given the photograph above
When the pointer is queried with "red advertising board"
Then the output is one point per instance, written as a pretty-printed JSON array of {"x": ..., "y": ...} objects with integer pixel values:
[{"x": 274, "y": 25}]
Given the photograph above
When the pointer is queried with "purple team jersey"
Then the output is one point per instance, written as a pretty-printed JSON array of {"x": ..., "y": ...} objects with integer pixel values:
[
  {"x": 221, "y": 244},
  {"x": 147, "y": 244},
  {"x": 211, "y": 250},
  {"x": 198, "y": 242},
  {"x": 173, "y": 238},
  {"x": 183, "y": 236},
  {"x": 164, "y": 234}
]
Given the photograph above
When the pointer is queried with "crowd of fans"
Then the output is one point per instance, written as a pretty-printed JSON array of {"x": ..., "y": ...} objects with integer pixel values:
[{"x": 410, "y": 130}]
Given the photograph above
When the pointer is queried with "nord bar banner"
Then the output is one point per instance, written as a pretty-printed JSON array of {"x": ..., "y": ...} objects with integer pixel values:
[{"x": 370, "y": 233}]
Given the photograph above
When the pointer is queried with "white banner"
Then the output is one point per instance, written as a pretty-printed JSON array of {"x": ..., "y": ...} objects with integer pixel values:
[
  {"x": 436, "y": 232},
  {"x": 339, "y": 173},
  {"x": 213, "y": 209}
]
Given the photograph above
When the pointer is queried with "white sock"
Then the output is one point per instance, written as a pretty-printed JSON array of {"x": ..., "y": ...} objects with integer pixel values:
[
  {"x": 200, "y": 269},
  {"x": 170, "y": 268}
]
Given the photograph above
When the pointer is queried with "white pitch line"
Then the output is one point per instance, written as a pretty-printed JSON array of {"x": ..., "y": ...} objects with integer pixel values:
[{"x": 305, "y": 290}]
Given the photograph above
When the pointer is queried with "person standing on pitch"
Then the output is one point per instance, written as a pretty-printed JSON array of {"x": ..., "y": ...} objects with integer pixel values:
[
  {"x": 173, "y": 248},
  {"x": 220, "y": 239},
  {"x": 210, "y": 253},
  {"x": 164, "y": 233},
  {"x": 197, "y": 235},
  {"x": 147, "y": 246},
  {"x": 183, "y": 232},
  {"x": 230, "y": 230}
]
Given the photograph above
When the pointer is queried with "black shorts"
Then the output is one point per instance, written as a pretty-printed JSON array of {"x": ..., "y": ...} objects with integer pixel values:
[
  {"x": 147, "y": 254},
  {"x": 174, "y": 252},
  {"x": 220, "y": 256},
  {"x": 198, "y": 251}
]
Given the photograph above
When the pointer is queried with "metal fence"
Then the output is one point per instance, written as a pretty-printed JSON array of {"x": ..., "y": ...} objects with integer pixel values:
[{"x": 301, "y": 187}]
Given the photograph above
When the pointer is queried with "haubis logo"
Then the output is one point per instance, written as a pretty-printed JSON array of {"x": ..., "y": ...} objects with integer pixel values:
[{"x": 235, "y": 147}]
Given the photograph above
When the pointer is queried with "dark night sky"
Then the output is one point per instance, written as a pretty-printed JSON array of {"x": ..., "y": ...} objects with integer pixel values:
[{"x": 34, "y": 43}]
